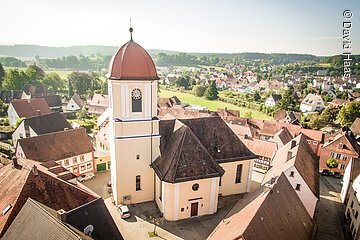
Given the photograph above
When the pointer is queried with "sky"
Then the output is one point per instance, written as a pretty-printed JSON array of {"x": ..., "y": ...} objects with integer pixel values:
[{"x": 226, "y": 26}]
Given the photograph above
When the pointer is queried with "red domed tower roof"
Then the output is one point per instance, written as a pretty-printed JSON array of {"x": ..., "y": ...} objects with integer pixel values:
[{"x": 132, "y": 62}]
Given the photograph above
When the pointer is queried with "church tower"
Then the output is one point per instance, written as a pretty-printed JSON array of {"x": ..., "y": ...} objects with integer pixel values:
[{"x": 134, "y": 127}]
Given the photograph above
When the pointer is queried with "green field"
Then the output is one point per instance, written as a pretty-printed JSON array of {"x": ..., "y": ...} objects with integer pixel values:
[{"x": 212, "y": 105}]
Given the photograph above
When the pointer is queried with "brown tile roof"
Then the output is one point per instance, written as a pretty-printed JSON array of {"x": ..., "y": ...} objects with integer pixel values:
[
  {"x": 240, "y": 130},
  {"x": 180, "y": 113},
  {"x": 273, "y": 213},
  {"x": 313, "y": 134},
  {"x": 224, "y": 112},
  {"x": 100, "y": 100},
  {"x": 35, "y": 222},
  {"x": 282, "y": 137},
  {"x": 355, "y": 127},
  {"x": 35, "y": 91},
  {"x": 98, "y": 110},
  {"x": 52, "y": 100},
  {"x": 302, "y": 158},
  {"x": 218, "y": 139},
  {"x": 259, "y": 147},
  {"x": 56, "y": 146},
  {"x": 347, "y": 138},
  {"x": 26, "y": 108},
  {"x": 168, "y": 102},
  {"x": 18, "y": 184},
  {"x": 185, "y": 159},
  {"x": 76, "y": 98},
  {"x": 47, "y": 123}
]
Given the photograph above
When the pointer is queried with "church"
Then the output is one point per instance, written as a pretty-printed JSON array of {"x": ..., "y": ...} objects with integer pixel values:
[{"x": 183, "y": 165}]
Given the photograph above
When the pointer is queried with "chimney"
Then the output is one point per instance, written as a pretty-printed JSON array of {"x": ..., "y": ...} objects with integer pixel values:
[
  {"x": 38, "y": 112},
  {"x": 61, "y": 215},
  {"x": 293, "y": 144},
  {"x": 289, "y": 155},
  {"x": 35, "y": 170},
  {"x": 246, "y": 136}
]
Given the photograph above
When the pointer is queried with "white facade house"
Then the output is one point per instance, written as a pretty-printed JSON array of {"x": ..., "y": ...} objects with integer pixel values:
[
  {"x": 75, "y": 103},
  {"x": 312, "y": 103},
  {"x": 272, "y": 100},
  {"x": 25, "y": 108},
  {"x": 351, "y": 173},
  {"x": 353, "y": 208}
]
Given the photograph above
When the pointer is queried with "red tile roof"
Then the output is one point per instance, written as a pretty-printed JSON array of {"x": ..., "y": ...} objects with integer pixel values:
[
  {"x": 26, "y": 108},
  {"x": 132, "y": 62}
]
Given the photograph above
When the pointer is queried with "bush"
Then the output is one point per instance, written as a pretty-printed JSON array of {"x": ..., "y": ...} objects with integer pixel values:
[
  {"x": 199, "y": 90},
  {"x": 332, "y": 163}
]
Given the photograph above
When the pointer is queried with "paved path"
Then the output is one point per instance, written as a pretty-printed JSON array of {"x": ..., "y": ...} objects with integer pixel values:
[{"x": 329, "y": 211}]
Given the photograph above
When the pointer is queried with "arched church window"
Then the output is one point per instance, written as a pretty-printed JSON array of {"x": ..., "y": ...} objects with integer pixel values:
[{"x": 136, "y": 100}]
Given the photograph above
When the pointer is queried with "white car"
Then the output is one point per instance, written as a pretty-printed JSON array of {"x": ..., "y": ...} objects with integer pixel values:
[
  {"x": 124, "y": 211},
  {"x": 85, "y": 177}
]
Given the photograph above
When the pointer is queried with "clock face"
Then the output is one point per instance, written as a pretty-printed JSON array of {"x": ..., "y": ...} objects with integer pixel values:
[{"x": 136, "y": 93}]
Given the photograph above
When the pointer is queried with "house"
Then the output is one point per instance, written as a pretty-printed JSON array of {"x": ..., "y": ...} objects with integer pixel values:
[
  {"x": 193, "y": 160},
  {"x": 289, "y": 117},
  {"x": 264, "y": 150},
  {"x": 168, "y": 102},
  {"x": 343, "y": 147},
  {"x": 312, "y": 103},
  {"x": 75, "y": 103},
  {"x": 26, "y": 179},
  {"x": 282, "y": 137},
  {"x": 26, "y": 224},
  {"x": 71, "y": 148},
  {"x": 98, "y": 104},
  {"x": 355, "y": 127},
  {"x": 38, "y": 125},
  {"x": 35, "y": 91},
  {"x": 300, "y": 165},
  {"x": 102, "y": 149},
  {"x": 353, "y": 207},
  {"x": 273, "y": 211},
  {"x": 225, "y": 113},
  {"x": 352, "y": 171},
  {"x": 54, "y": 102},
  {"x": 25, "y": 108}
]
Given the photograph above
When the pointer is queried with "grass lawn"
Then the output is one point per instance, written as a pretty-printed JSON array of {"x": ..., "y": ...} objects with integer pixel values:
[{"x": 212, "y": 105}]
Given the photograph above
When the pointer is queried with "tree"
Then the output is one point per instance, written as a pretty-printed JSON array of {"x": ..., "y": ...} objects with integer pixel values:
[
  {"x": 329, "y": 114},
  {"x": 82, "y": 114},
  {"x": 2, "y": 73},
  {"x": 15, "y": 80},
  {"x": 199, "y": 90},
  {"x": 53, "y": 82},
  {"x": 211, "y": 92},
  {"x": 349, "y": 113},
  {"x": 183, "y": 81},
  {"x": 287, "y": 101},
  {"x": 83, "y": 81},
  {"x": 256, "y": 96},
  {"x": 40, "y": 74},
  {"x": 332, "y": 163},
  {"x": 70, "y": 89},
  {"x": 316, "y": 122}
]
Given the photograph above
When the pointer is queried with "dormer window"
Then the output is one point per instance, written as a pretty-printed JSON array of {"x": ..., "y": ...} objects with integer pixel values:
[
  {"x": 341, "y": 146},
  {"x": 136, "y": 100}
]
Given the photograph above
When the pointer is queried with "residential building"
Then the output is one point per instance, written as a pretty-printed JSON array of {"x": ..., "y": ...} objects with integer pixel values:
[
  {"x": 353, "y": 207},
  {"x": 300, "y": 165},
  {"x": 8, "y": 95},
  {"x": 225, "y": 113},
  {"x": 289, "y": 117},
  {"x": 355, "y": 127},
  {"x": 187, "y": 178},
  {"x": 312, "y": 103},
  {"x": 352, "y": 171},
  {"x": 272, "y": 100},
  {"x": 25, "y": 108},
  {"x": 74, "y": 204},
  {"x": 75, "y": 103},
  {"x": 343, "y": 147},
  {"x": 54, "y": 102},
  {"x": 71, "y": 148},
  {"x": 38, "y": 125},
  {"x": 102, "y": 149},
  {"x": 273, "y": 211},
  {"x": 98, "y": 104}
]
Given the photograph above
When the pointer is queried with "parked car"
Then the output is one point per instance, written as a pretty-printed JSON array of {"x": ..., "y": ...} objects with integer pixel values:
[
  {"x": 326, "y": 172},
  {"x": 85, "y": 177},
  {"x": 124, "y": 211},
  {"x": 337, "y": 175}
]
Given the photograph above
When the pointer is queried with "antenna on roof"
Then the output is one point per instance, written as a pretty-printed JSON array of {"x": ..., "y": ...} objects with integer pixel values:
[{"x": 131, "y": 30}]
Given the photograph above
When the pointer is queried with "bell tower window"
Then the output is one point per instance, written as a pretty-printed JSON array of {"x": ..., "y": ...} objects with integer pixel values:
[{"x": 136, "y": 100}]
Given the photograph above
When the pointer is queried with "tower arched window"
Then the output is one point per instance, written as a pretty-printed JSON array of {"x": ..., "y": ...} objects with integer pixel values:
[{"x": 136, "y": 97}]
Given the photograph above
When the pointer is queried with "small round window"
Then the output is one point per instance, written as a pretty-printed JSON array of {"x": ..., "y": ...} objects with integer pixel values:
[{"x": 195, "y": 187}]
